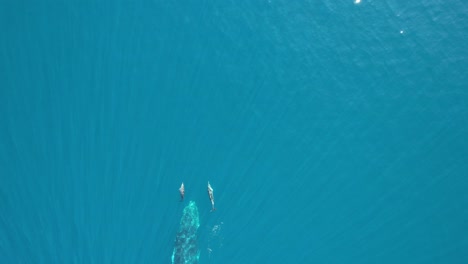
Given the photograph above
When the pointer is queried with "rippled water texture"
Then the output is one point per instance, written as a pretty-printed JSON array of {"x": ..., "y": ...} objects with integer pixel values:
[{"x": 330, "y": 131}]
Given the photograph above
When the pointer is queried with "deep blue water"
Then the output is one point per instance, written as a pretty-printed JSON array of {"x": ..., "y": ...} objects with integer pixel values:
[{"x": 331, "y": 132}]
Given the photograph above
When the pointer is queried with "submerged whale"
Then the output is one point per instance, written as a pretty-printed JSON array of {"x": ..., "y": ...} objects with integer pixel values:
[{"x": 185, "y": 246}]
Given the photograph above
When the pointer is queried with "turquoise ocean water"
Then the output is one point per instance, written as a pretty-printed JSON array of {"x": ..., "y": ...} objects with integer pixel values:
[{"x": 330, "y": 131}]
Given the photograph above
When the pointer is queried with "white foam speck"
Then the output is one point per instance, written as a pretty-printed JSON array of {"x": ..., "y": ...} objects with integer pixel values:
[{"x": 357, "y": 1}]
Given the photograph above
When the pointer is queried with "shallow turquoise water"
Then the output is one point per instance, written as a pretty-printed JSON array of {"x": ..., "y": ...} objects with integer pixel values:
[{"x": 331, "y": 132}]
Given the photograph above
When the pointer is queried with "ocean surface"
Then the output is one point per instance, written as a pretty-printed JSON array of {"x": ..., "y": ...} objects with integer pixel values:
[{"x": 330, "y": 131}]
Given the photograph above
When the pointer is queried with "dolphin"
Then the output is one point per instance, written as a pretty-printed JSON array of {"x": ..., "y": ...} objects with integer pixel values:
[
  {"x": 211, "y": 196},
  {"x": 182, "y": 192}
]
